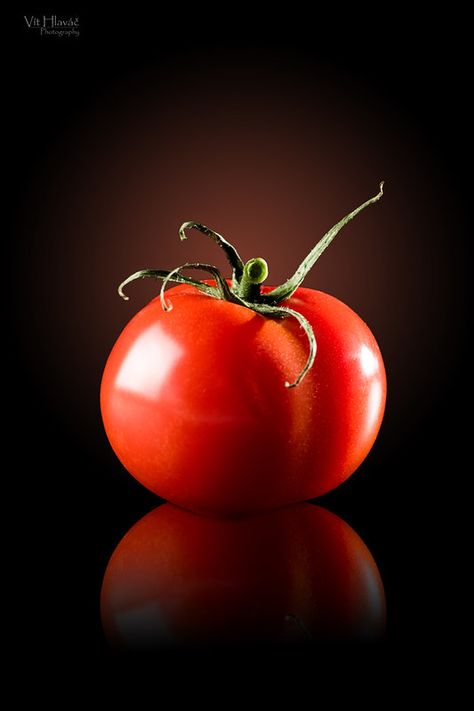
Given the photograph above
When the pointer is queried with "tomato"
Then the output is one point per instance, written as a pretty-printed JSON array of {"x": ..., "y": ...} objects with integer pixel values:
[
  {"x": 229, "y": 397},
  {"x": 195, "y": 405},
  {"x": 295, "y": 574}
]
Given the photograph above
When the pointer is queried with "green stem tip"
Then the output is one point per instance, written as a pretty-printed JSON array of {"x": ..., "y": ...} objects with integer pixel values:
[
  {"x": 256, "y": 270},
  {"x": 254, "y": 273}
]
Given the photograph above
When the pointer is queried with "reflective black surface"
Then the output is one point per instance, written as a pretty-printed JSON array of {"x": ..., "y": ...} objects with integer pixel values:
[{"x": 294, "y": 575}]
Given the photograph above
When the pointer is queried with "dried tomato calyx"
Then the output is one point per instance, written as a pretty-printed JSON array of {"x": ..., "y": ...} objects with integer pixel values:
[{"x": 247, "y": 277}]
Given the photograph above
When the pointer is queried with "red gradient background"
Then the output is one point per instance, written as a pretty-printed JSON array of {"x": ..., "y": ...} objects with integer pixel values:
[
  {"x": 120, "y": 136},
  {"x": 269, "y": 159}
]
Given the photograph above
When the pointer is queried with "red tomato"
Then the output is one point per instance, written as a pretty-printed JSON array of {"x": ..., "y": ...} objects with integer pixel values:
[
  {"x": 195, "y": 405},
  {"x": 294, "y": 574}
]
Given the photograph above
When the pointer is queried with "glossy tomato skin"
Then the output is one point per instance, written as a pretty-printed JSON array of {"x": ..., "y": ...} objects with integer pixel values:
[
  {"x": 288, "y": 575},
  {"x": 195, "y": 406}
]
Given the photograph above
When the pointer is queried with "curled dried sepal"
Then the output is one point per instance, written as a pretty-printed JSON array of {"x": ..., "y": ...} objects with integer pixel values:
[
  {"x": 231, "y": 253},
  {"x": 284, "y": 291},
  {"x": 284, "y": 312},
  {"x": 222, "y": 291},
  {"x": 164, "y": 274}
]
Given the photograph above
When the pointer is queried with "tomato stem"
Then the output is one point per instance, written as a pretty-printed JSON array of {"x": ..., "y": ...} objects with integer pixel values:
[{"x": 254, "y": 273}]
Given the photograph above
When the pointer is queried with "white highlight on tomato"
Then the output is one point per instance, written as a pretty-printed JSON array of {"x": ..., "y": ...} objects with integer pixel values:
[
  {"x": 149, "y": 362},
  {"x": 368, "y": 361}
]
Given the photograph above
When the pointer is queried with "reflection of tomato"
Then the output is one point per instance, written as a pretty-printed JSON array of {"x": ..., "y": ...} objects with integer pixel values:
[
  {"x": 288, "y": 575},
  {"x": 195, "y": 405}
]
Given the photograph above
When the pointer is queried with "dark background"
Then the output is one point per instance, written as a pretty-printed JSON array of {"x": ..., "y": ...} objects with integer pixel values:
[{"x": 268, "y": 130}]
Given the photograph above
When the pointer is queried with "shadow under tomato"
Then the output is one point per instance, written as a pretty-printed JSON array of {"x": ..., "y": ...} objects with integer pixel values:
[{"x": 297, "y": 574}]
